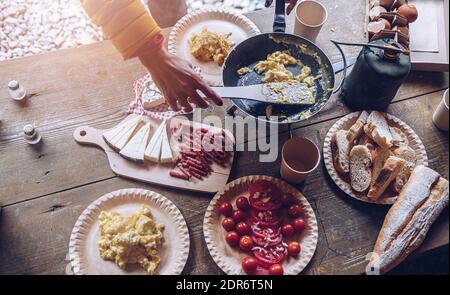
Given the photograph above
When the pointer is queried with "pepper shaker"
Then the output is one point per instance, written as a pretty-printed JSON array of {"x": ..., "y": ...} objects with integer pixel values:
[
  {"x": 16, "y": 91},
  {"x": 31, "y": 134}
]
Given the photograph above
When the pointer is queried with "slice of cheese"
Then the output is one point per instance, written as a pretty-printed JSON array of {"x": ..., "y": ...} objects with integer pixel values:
[
  {"x": 166, "y": 151},
  {"x": 135, "y": 148},
  {"x": 153, "y": 150},
  {"x": 123, "y": 130}
]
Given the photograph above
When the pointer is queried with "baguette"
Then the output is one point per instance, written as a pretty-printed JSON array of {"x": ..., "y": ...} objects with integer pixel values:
[
  {"x": 420, "y": 202},
  {"x": 341, "y": 147},
  {"x": 398, "y": 137},
  {"x": 409, "y": 155},
  {"x": 357, "y": 129},
  {"x": 390, "y": 170},
  {"x": 377, "y": 128},
  {"x": 360, "y": 168},
  {"x": 379, "y": 156}
]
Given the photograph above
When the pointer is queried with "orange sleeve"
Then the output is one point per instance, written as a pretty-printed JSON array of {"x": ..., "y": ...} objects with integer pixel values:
[{"x": 127, "y": 23}]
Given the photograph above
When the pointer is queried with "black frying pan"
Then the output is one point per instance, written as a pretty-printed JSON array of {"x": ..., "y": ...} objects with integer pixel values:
[{"x": 256, "y": 48}]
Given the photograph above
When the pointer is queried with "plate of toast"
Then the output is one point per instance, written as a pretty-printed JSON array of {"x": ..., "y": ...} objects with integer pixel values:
[{"x": 370, "y": 155}]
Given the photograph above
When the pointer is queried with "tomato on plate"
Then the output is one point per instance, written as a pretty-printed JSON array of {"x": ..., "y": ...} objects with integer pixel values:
[
  {"x": 228, "y": 224},
  {"x": 268, "y": 218},
  {"x": 249, "y": 265},
  {"x": 226, "y": 209},
  {"x": 232, "y": 238},
  {"x": 238, "y": 216},
  {"x": 242, "y": 228},
  {"x": 293, "y": 249},
  {"x": 299, "y": 224},
  {"x": 287, "y": 230},
  {"x": 267, "y": 241},
  {"x": 276, "y": 270},
  {"x": 242, "y": 203},
  {"x": 270, "y": 255},
  {"x": 264, "y": 195},
  {"x": 246, "y": 243},
  {"x": 295, "y": 210},
  {"x": 263, "y": 232}
]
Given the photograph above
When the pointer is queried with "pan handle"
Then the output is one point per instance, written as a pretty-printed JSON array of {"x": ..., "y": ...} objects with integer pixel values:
[
  {"x": 344, "y": 59},
  {"x": 279, "y": 24}
]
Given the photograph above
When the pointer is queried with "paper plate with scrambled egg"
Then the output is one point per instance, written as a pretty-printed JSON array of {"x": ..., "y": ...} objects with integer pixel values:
[
  {"x": 130, "y": 231},
  {"x": 207, "y": 36}
]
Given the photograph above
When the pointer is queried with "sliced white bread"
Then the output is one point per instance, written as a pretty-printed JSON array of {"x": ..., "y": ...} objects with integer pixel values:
[
  {"x": 360, "y": 168},
  {"x": 420, "y": 202},
  {"x": 390, "y": 170},
  {"x": 379, "y": 156},
  {"x": 399, "y": 138},
  {"x": 357, "y": 129},
  {"x": 377, "y": 128},
  {"x": 341, "y": 149},
  {"x": 409, "y": 155}
]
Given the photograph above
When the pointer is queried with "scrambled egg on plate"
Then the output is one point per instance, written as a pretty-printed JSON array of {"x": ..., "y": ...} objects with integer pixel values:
[
  {"x": 129, "y": 240},
  {"x": 209, "y": 46}
]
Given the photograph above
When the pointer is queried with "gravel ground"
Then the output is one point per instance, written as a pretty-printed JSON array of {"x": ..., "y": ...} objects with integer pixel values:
[{"x": 30, "y": 27}]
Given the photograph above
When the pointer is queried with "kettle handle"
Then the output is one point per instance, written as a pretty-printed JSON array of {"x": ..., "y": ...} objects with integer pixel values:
[
  {"x": 344, "y": 59},
  {"x": 279, "y": 23}
]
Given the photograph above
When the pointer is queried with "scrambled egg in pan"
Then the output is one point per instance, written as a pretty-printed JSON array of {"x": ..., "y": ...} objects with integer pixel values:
[
  {"x": 129, "y": 240},
  {"x": 209, "y": 46}
]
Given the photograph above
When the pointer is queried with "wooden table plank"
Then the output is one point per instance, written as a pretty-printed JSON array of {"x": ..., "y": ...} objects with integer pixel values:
[{"x": 44, "y": 229}]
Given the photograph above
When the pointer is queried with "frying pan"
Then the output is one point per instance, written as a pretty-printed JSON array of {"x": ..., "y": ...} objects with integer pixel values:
[{"x": 256, "y": 48}]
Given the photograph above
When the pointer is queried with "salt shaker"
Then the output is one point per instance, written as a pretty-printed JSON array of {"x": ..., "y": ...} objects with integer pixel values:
[
  {"x": 31, "y": 134},
  {"x": 16, "y": 91}
]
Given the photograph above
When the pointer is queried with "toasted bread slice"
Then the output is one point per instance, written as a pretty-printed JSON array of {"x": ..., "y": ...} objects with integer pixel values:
[
  {"x": 360, "y": 168},
  {"x": 341, "y": 147},
  {"x": 390, "y": 170},
  {"x": 357, "y": 129},
  {"x": 377, "y": 128},
  {"x": 379, "y": 156},
  {"x": 409, "y": 155},
  {"x": 399, "y": 138}
]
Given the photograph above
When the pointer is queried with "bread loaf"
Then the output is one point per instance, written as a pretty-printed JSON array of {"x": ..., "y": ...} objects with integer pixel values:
[
  {"x": 377, "y": 128},
  {"x": 409, "y": 155},
  {"x": 420, "y": 202},
  {"x": 341, "y": 149},
  {"x": 357, "y": 129},
  {"x": 379, "y": 156},
  {"x": 390, "y": 170}
]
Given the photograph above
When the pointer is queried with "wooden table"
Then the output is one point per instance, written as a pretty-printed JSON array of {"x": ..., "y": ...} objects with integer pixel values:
[{"x": 44, "y": 190}]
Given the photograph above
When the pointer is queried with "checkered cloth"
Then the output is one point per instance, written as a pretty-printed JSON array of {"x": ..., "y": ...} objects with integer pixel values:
[{"x": 160, "y": 112}]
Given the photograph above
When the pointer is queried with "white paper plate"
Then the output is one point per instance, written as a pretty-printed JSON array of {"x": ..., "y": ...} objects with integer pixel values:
[
  {"x": 345, "y": 123},
  {"x": 218, "y": 21},
  {"x": 83, "y": 250},
  {"x": 228, "y": 258}
]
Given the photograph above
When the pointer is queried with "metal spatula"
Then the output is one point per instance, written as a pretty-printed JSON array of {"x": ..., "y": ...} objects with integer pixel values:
[{"x": 273, "y": 93}]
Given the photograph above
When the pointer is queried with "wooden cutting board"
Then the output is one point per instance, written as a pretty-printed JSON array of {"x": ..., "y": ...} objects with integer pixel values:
[{"x": 152, "y": 172}]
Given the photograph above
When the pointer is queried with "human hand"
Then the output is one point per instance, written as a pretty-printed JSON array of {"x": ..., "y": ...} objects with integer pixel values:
[
  {"x": 177, "y": 81},
  {"x": 291, "y": 5}
]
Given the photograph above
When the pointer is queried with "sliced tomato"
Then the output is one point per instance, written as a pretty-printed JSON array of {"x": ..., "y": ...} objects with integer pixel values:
[
  {"x": 270, "y": 255},
  {"x": 265, "y": 195},
  {"x": 268, "y": 241},
  {"x": 262, "y": 232},
  {"x": 267, "y": 218}
]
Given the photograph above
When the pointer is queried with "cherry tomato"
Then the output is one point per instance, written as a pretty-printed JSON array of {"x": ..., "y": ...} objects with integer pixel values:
[
  {"x": 295, "y": 210},
  {"x": 228, "y": 224},
  {"x": 226, "y": 209},
  {"x": 287, "y": 230},
  {"x": 232, "y": 238},
  {"x": 276, "y": 270},
  {"x": 246, "y": 243},
  {"x": 238, "y": 216},
  {"x": 299, "y": 224},
  {"x": 242, "y": 203},
  {"x": 242, "y": 228},
  {"x": 293, "y": 248},
  {"x": 249, "y": 265},
  {"x": 287, "y": 199}
]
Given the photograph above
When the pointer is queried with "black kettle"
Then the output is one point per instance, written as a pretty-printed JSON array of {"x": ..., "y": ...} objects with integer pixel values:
[{"x": 380, "y": 69}]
